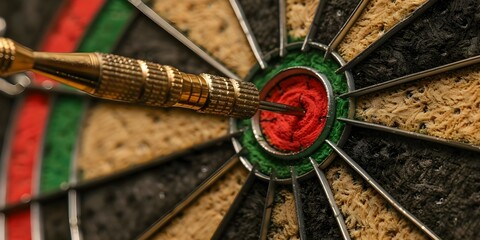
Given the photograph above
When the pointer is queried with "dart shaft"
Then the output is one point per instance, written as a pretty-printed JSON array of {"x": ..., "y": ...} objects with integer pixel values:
[
  {"x": 129, "y": 80},
  {"x": 124, "y": 79}
]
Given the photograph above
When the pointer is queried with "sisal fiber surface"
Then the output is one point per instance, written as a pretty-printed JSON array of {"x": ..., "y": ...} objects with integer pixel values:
[
  {"x": 124, "y": 208},
  {"x": 22, "y": 160},
  {"x": 28, "y": 20},
  {"x": 445, "y": 106},
  {"x": 294, "y": 133},
  {"x": 247, "y": 220},
  {"x": 55, "y": 219},
  {"x": 320, "y": 222},
  {"x": 211, "y": 24},
  {"x": 446, "y": 32},
  {"x": 366, "y": 214},
  {"x": 334, "y": 15},
  {"x": 299, "y": 17},
  {"x": 263, "y": 18},
  {"x": 201, "y": 218},
  {"x": 116, "y": 136},
  {"x": 60, "y": 139},
  {"x": 377, "y": 18},
  {"x": 438, "y": 184},
  {"x": 147, "y": 41},
  {"x": 283, "y": 222}
]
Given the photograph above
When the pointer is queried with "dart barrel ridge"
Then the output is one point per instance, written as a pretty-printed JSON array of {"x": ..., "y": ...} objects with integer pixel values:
[{"x": 129, "y": 80}]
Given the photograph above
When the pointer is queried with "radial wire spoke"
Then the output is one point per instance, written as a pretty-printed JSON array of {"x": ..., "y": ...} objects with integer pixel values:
[
  {"x": 267, "y": 210},
  {"x": 235, "y": 205},
  {"x": 399, "y": 26},
  {"x": 191, "y": 197},
  {"x": 382, "y": 191},
  {"x": 312, "y": 31},
  {"x": 96, "y": 182},
  {"x": 73, "y": 196},
  {"x": 413, "y": 77},
  {"x": 298, "y": 204},
  {"x": 182, "y": 38},
  {"x": 252, "y": 41},
  {"x": 346, "y": 27},
  {"x": 410, "y": 134},
  {"x": 282, "y": 7},
  {"x": 331, "y": 199},
  {"x": 73, "y": 214}
]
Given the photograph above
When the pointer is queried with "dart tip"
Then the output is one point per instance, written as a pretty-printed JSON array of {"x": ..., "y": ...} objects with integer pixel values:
[{"x": 281, "y": 108}]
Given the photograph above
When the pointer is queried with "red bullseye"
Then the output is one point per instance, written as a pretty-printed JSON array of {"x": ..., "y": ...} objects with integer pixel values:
[{"x": 289, "y": 133}]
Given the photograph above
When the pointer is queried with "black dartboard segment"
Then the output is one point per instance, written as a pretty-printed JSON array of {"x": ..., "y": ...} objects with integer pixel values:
[
  {"x": 125, "y": 208},
  {"x": 263, "y": 17},
  {"x": 319, "y": 220},
  {"x": 145, "y": 40},
  {"x": 332, "y": 18},
  {"x": 28, "y": 20},
  {"x": 449, "y": 31},
  {"x": 55, "y": 220},
  {"x": 438, "y": 184},
  {"x": 247, "y": 220}
]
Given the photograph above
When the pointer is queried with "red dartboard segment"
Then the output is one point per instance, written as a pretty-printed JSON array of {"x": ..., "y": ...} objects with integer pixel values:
[
  {"x": 69, "y": 28},
  {"x": 293, "y": 133},
  {"x": 24, "y": 154},
  {"x": 26, "y": 145},
  {"x": 18, "y": 226},
  {"x": 64, "y": 36}
]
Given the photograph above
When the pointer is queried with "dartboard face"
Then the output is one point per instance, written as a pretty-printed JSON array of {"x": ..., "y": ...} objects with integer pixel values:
[{"x": 387, "y": 148}]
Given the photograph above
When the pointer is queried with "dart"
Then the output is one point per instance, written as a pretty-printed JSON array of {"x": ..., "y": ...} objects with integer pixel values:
[{"x": 129, "y": 80}]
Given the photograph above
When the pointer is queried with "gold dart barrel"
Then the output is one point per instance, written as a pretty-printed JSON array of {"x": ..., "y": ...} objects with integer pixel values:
[{"x": 124, "y": 79}]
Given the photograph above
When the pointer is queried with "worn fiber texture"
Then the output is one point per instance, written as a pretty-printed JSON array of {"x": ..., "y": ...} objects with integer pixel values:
[
  {"x": 299, "y": 17},
  {"x": 263, "y": 18},
  {"x": 294, "y": 133},
  {"x": 283, "y": 222},
  {"x": 116, "y": 137},
  {"x": 334, "y": 15},
  {"x": 446, "y": 32},
  {"x": 5, "y": 111},
  {"x": 319, "y": 220},
  {"x": 212, "y": 25},
  {"x": 61, "y": 137},
  {"x": 377, "y": 18},
  {"x": 125, "y": 208},
  {"x": 28, "y": 20},
  {"x": 247, "y": 220},
  {"x": 366, "y": 214},
  {"x": 107, "y": 27},
  {"x": 55, "y": 219},
  {"x": 22, "y": 159},
  {"x": 147, "y": 41},
  {"x": 438, "y": 184},
  {"x": 445, "y": 106},
  {"x": 201, "y": 218}
]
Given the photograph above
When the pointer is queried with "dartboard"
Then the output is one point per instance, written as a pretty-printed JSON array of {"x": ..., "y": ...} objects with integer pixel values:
[{"x": 387, "y": 149}]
